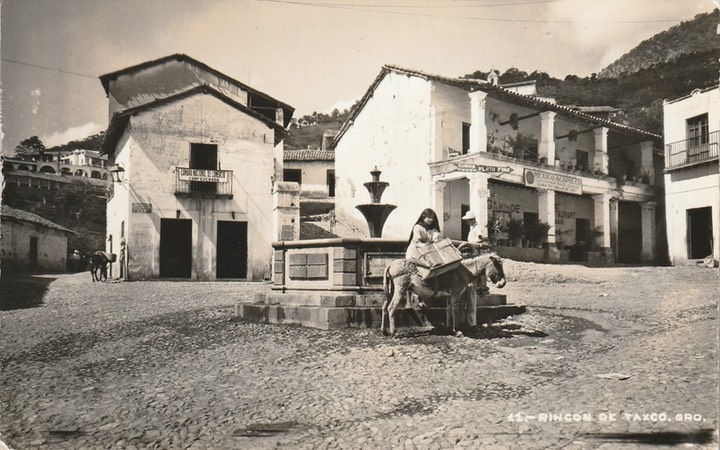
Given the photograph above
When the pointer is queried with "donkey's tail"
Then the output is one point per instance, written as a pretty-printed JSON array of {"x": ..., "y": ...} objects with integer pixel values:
[{"x": 387, "y": 283}]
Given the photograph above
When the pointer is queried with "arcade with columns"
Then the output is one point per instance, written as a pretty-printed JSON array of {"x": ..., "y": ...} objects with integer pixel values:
[{"x": 611, "y": 204}]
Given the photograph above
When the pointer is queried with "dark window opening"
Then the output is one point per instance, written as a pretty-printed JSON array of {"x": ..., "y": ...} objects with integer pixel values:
[
  {"x": 331, "y": 183},
  {"x": 292, "y": 175},
  {"x": 582, "y": 159},
  {"x": 203, "y": 156},
  {"x": 465, "y": 138}
]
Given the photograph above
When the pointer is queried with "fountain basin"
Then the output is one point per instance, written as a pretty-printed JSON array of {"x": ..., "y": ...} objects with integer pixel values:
[{"x": 376, "y": 214}]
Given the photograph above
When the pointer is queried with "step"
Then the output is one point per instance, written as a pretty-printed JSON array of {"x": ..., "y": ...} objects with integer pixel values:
[
  {"x": 330, "y": 317},
  {"x": 349, "y": 299}
]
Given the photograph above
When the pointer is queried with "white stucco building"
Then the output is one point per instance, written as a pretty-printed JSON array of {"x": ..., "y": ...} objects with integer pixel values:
[
  {"x": 32, "y": 243},
  {"x": 457, "y": 144},
  {"x": 692, "y": 186},
  {"x": 197, "y": 154}
]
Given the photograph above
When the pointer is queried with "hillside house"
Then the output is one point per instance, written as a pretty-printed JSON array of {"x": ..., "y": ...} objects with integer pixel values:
[
  {"x": 30, "y": 243},
  {"x": 79, "y": 163},
  {"x": 195, "y": 156},
  {"x": 692, "y": 188},
  {"x": 458, "y": 144}
]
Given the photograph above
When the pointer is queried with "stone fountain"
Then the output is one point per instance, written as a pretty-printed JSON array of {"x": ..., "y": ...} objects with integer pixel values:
[
  {"x": 338, "y": 282},
  {"x": 376, "y": 213}
]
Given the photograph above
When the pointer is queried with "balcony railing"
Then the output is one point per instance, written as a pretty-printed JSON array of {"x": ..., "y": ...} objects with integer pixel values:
[
  {"x": 203, "y": 182},
  {"x": 691, "y": 151}
]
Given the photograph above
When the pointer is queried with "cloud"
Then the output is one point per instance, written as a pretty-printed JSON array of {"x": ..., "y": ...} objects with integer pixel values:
[{"x": 71, "y": 134}]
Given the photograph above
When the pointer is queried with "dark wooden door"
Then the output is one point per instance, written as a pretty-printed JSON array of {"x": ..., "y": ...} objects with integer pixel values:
[
  {"x": 231, "y": 249},
  {"x": 700, "y": 239},
  {"x": 33, "y": 257},
  {"x": 175, "y": 248}
]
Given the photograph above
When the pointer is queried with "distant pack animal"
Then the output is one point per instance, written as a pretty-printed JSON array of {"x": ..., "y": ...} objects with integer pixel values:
[
  {"x": 398, "y": 280},
  {"x": 99, "y": 265}
]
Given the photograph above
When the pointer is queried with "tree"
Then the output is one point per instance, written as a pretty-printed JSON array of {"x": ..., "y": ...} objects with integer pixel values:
[{"x": 31, "y": 146}]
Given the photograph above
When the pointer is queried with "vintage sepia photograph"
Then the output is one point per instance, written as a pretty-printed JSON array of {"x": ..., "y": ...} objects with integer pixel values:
[{"x": 359, "y": 224}]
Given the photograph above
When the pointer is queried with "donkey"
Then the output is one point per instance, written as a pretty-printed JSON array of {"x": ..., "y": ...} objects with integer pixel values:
[
  {"x": 399, "y": 278},
  {"x": 99, "y": 266}
]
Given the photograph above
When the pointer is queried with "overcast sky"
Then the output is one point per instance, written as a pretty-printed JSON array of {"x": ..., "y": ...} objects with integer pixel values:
[{"x": 315, "y": 55}]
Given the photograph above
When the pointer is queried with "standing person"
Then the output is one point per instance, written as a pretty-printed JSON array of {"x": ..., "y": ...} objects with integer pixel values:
[
  {"x": 425, "y": 231},
  {"x": 475, "y": 233}
]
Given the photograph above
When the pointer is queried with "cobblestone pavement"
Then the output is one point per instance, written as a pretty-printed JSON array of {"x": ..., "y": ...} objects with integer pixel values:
[{"x": 604, "y": 358}]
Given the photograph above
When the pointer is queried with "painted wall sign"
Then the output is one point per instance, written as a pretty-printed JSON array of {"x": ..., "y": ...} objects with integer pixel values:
[
  {"x": 142, "y": 208},
  {"x": 481, "y": 168},
  {"x": 554, "y": 181},
  {"x": 215, "y": 176},
  {"x": 503, "y": 207}
]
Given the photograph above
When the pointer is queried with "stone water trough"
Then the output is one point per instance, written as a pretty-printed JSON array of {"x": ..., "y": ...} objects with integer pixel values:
[{"x": 337, "y": 283}]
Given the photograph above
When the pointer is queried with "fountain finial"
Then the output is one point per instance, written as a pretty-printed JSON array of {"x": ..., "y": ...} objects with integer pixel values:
[{"x": 376, "y": 213}]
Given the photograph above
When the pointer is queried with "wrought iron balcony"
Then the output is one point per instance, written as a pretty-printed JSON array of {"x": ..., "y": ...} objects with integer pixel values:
[
  {"x": 203, "y": 182},
  {"x": 705, "y": 147}
]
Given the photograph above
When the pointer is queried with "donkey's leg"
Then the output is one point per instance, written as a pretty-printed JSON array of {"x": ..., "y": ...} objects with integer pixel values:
[
  {"x": 384, "y": 316},
  {"x": 453, "y": 311},
  {"x": 400, "y": 286}
]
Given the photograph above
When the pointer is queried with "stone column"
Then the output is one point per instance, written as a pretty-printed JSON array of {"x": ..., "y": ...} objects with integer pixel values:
[
  {"x": 546, "y": 146},
  {"x": 602, "y": 218},
  {"x": 647, "y": 220},
  {"x": 438, "y": 196},
  {"x": 646, "y": 164},
  {"x": 546, "y": 212},
  {"x": 479, "y": 194},
  {"x": 601, "y": 148},
  {"x": 478, "y": 129}
]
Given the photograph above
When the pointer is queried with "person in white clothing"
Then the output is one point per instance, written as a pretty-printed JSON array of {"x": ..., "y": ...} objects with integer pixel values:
[{"x": 475, "y": 233}]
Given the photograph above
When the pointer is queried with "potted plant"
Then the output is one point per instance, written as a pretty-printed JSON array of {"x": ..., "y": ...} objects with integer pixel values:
[
  {"x": 598, "y": 170},
  {"x": 515, "y": 231},
  {"x": 646, "y": 177},
  {"x": 495, "y": 229},
  {"x": 521, "y": 143},
  {"x": 539, "y": 231}
]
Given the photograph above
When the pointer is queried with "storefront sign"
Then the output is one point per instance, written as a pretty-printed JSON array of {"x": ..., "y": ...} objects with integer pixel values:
[
  {"x": 483, "y": 169},
  {"x": 553, "y": 181},
  {"x": 142, "y": 208},
  {"x": 213, "y": 176}
]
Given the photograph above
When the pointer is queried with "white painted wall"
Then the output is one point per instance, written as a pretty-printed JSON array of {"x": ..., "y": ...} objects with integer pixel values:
[
  {"x": 15, "y": 246},
  {"x": 314, "y": 177},
  {"x": 393, "y": 131},
  {"x": 692, "y": 187},
  {"x": 159, "y": 141}
]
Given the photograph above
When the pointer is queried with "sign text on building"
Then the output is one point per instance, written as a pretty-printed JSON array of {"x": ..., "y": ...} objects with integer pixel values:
[
  {"x": 554, "y": 181},
  {"x": 481, "y": 168},
  {"x": 214, "y": 176},
  {"x": 144, "y": 208}
]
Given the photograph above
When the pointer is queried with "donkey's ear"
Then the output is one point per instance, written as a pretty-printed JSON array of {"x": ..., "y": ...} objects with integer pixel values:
[{"x": 495, "y": 257}]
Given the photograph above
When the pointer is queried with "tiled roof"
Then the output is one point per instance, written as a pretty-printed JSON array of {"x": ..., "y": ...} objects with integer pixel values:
[
  {"x": 105, "y": 79},
  {"x": 492, "y": 90},
  {"x": 119, "y": 120},
  {"x": 18, "y": 214},
  {"x": 309, "y": 155}
]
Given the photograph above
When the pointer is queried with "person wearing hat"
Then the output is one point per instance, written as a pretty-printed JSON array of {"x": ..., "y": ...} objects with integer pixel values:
[{"x": 475, "y": 233}]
